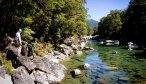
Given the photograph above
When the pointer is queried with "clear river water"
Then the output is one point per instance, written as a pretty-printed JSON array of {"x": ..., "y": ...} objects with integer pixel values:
[{"x": 97, "y": 70}]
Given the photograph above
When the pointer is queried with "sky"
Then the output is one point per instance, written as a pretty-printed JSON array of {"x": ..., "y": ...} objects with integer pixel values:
[{"x": 100, "y": 8}]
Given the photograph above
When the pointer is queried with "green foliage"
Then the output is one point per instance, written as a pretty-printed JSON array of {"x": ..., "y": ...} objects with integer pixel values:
[
  {"x": 26, "y": 34},
  {"x": 110, "y": 26},
  {"x": 42, "y": 49},
  {"x": 135, "y": 21},
  {"x": 128, "y": 24},
  {"x": 54, "y": 20},
  {"x": 49, "y": 47},
  {"x": 40, "y": 53}
]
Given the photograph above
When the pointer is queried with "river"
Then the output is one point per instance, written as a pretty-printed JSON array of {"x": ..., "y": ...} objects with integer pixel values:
[{"x": 97, "y": 70}]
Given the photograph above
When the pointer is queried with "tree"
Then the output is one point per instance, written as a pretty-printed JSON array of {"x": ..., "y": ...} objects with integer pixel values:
[
  {"x": 110, "y": 26},
  {"x": 135, "y": 21},
  {"x": 54, "y": 20}
]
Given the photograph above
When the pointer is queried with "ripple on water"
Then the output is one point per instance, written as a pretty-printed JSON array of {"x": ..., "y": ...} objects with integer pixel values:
[{"x": 96, "y": 70}]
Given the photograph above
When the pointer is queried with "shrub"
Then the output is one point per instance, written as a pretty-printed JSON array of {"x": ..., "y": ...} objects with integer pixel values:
[
  {"x": 26, "y": 34},
  {"x": 42, "y": 48}
]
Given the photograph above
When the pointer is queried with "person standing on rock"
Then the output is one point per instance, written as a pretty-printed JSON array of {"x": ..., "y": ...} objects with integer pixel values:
[{"x": 18, "y": 41}]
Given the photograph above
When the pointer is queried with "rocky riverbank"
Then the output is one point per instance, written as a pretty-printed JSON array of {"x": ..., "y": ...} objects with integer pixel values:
[{"x": 47, "y": 69}]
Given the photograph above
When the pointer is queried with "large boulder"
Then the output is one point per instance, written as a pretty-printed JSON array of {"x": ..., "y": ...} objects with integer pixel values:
[
  {"x": 26, "y": 62},
  {"x": 39, "y": 77},
  {"x": 57, "y": 73},
  {"x": 21, "y": 76},
  {"x": 52, "y": 70},
  {"x": 42, "y": 64}
]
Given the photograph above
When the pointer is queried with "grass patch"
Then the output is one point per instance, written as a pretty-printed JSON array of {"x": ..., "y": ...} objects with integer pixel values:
[
  {"x": 71, "y": 64},
  {"x": 6, "y": 63}
]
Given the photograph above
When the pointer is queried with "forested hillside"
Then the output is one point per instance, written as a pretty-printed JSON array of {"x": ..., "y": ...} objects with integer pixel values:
[{"x": 50, "y": 20}]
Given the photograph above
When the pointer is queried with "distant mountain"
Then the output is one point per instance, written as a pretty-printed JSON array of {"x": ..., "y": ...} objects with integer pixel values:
[{"x": 92, "y": 23}]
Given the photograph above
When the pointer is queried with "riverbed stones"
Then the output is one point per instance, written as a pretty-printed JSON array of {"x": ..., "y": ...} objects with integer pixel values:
[
  {"x": 123, "y": 79},
  {"x": 110, "y": 68},
  {"x": 101, "y": 81}
]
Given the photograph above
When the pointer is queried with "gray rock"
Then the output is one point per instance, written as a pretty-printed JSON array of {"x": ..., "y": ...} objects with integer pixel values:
[
  {"x": 6, "y": 80},
  {"x": 75, "y": 47},
  {"x": 68, "y": 51},
  {"x": 68, "y": 41},
  {"x": 39, "y": 77},
  {"x": 77, "y": 72},
  {"x": 59, "y": 55},
  {"x": 26, "y": 62},
  {"x": 41, "y": 64},
  {"x": 21, "y": 76},
  {"x": 54, "y": 60},
  {"x": 116, "y": 42},
  {"x": 57, "y": 73},
  {"x": 54, "y": 71},
  {"x": 2, "y": 71},
  {"x": 101, "y": 81},
  {"x": 79, "y": 53},
  {"x": 88, "y": 48},
  {"x": 82, "y": 45},
  {"x": 86, "y": 65},
  {"x": 65, "y": 49}
]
